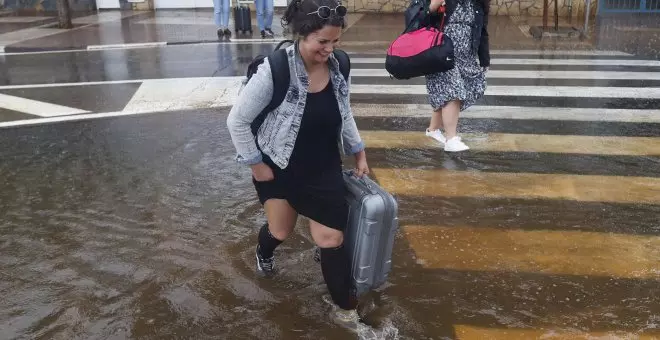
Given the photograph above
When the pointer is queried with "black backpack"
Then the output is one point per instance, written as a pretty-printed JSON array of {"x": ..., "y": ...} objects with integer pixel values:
[{"x": 279, "y": 67}]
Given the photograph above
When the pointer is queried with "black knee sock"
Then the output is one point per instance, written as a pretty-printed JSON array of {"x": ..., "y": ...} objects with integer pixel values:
[
  {"x": 267, "y": 242},
  {"x": 336, "y": 268}
]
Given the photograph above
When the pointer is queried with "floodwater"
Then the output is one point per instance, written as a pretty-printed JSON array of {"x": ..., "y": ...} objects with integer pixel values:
[{"x": 145, "y": 228}]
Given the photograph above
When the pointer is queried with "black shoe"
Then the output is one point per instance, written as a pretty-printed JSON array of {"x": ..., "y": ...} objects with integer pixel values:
[
  {"x": 265, "y": 267},
  {"x": 227, "y": 33},
  {"x": 220, "y": 33},
  {"x": 269, "y": 33},
  {"x": 263, "y": 34}
]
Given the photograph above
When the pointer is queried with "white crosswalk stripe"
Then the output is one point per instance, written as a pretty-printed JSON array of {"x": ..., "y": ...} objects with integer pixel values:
[
  {"x": 535, "y": 61},
  {"x": 535, "y": 91},
  {"x": 524, "y": 74}
]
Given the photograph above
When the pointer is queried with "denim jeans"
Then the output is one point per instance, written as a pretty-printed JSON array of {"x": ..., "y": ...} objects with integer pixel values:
[
  {"x": 221, "y": 11},
  {"x": 264, "y": 13}
]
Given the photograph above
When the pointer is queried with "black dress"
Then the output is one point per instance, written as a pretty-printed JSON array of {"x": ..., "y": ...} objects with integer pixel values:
[{"x": 312, "y": 182}]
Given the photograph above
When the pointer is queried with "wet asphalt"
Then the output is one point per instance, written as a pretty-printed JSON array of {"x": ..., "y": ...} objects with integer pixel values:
[{"x": 144, "y": 226}]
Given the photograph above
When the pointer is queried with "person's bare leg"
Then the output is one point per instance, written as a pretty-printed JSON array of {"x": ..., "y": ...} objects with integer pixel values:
[
  {"x": 436, "y": 126},
  {"x": 281, "y": 221},
  {"x": 450, "y": 120},
  {"x": 281, "y": 218},
  {"x": 436, "y": 121}
]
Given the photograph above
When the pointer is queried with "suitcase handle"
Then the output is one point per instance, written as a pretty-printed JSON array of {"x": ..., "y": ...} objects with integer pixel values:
[{"x": 352, "y": 173}]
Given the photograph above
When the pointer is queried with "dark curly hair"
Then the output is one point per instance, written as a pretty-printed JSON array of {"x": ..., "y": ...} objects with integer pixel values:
[{"x": 302, "y": 23}]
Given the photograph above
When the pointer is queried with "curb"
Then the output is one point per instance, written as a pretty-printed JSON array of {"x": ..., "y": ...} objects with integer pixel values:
[{"x": 12, "y": 49}]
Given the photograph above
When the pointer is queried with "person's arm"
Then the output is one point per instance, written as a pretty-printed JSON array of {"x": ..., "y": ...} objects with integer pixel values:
[
  {"x": 435, "y": 4},
  {"x": 353, "y": 144},
  {"x": 252, "y": 99}
]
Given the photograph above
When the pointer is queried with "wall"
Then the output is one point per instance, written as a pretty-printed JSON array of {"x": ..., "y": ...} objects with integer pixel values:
[
  {"x": 535, "y": 7},
  {"x": 497, "y": 7},
  {"x": 49, "y": 5}
]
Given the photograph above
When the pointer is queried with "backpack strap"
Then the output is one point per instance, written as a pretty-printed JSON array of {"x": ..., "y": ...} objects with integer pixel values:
[
  {"x": 279, "y": 69},
  {"x": 344, "y": 63}
]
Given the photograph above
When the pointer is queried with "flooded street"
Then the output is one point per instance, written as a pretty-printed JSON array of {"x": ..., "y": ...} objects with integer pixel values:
[
  {"x": 116, "y": 229},
  {"x": 145, "y": 228},
  {"x": 123, "y": 214}
]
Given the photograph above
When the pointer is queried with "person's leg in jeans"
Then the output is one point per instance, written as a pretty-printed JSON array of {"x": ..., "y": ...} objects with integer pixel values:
[
  {"x": 264, "y": 16},
  {"x": 221, "y": 14},
  {"x": 226, "y": 9},
  {"x": 268, "y": 17}
]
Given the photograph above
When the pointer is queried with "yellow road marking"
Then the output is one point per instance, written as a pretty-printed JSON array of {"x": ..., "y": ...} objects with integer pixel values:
[
  {"x": 464, "y": 332},
  {"x": 588, "y": 188},
  {"x": 537, "y": 251},
  {"x": 607, "y": 145}
]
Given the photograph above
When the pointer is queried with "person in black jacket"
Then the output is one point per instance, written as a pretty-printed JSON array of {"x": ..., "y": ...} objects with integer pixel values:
[{"x": 466, "y": 23}]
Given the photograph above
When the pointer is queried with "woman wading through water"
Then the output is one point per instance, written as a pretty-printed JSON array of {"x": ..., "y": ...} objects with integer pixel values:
[{"x": 296, "y": 162}]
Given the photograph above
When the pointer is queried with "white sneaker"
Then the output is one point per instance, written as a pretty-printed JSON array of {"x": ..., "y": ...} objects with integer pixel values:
[
  {"x": 437, "y": 135},
  {"x": 455, "y": 145}
]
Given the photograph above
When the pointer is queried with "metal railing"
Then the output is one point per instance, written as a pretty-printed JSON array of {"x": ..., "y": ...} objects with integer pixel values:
[{"x": 629, "y": 6}]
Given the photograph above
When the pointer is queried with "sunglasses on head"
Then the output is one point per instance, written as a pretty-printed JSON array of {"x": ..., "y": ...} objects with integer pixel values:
[{"x": 324, "y": 12}]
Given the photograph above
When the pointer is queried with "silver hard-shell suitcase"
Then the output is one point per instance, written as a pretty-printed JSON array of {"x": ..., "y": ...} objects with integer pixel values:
[{"x": 369, "y": 237}]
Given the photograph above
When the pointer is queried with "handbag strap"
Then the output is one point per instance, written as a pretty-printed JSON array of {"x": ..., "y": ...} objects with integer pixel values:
[
  {"x": 425, "y": 9},
  {"x": 442, "y": 9}
]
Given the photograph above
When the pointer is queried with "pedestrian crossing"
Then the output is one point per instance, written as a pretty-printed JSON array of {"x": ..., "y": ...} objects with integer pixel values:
[{"x": 563, "y": 147}]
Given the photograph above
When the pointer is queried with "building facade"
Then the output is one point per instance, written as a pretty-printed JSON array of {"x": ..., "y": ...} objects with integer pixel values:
[{"x": 572, "y": 8}]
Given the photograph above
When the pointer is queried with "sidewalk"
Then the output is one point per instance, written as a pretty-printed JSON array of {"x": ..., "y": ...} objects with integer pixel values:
[{"x": 366, "y": 33}]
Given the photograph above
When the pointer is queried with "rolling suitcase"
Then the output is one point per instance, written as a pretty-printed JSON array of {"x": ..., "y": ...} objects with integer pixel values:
[
  {"x": 369, "y": 237},
  {"x": 242, "y": 17}
]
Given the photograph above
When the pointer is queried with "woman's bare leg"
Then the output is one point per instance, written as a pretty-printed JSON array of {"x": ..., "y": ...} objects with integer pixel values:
[
  {"x": 436, "y": 121},
  {"x": 450, "y": 118},
  {"x": 436, "y": 126},
  {"x": 281, "y": 221}
]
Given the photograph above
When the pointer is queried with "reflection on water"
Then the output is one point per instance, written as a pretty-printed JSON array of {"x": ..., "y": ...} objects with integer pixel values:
[{"x": 145, "y": 228}]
